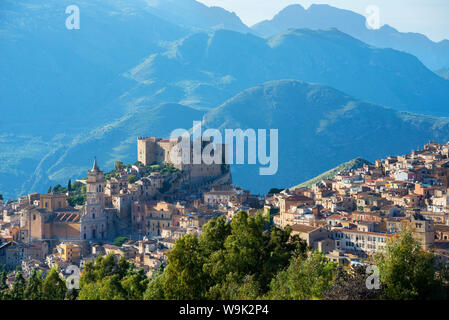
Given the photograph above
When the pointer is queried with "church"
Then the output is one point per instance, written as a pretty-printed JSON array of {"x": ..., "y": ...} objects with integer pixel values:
[{"x": 97, "y": 221}]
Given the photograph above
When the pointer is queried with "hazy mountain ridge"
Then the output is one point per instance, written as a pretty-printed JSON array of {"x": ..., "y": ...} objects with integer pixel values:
[
  {"x": 434, "y": 55},
  {"x": 192, "y": 13},
  {"x": 320, "y": 127},
  {"x": 228, "y": 62}
]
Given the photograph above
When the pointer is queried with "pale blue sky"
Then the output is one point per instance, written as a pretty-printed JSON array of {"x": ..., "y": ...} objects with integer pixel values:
[{"x": 430, "y": 17}]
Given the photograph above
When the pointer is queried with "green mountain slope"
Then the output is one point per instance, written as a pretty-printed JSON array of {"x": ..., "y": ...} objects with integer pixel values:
[
  {"x": 205, "y": 69},
  {"x": 344, "y": 167},
  {"x": 320, "y": 127},
  {"x": 115, "y": 141}
]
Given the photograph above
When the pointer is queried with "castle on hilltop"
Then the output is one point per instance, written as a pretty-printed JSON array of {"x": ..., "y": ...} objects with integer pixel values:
[{"x": 152, "y": 150}]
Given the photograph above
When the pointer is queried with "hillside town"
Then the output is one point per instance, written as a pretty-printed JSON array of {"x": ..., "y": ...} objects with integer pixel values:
[
  {"x": 138, "y": 218},
  {"x": 138, "y": 212},
  {"x": 353, "y": 215},
  {"x": 146, "y": 214}
]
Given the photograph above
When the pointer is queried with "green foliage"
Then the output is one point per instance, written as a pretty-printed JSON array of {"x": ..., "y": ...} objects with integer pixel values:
[
  {"x": 119, "y": 166},
  {"x": 306, "y": 278},
  {"x": 275, "y": 190},
  {"x": 406, "y": 270},
  {"x": 33, "y": 290},
  {"x": 184, "y": 275},
  {"x": 58, "y": 189},
  {"x": 77, "y": 192},
  {"x": 18, "y": 287},
  {"x": 234, "y": 260},
  {"x": 135, "y": 285},
  {"x": 164, "y": 169},
  {"x": 54, "y": 287},
  {"x": 4, "y": 292},
  {"x": 1, "y": 197},
  {"x": 132, "y": 178},
  {"x": 214, "y": 234},
  {"x": 155, "y": 288},
  {"x": 347, "y": 166},
  {"x": 235, "y": 289},
  {"x": 119, "y": 241},
  {"x": 108, "y": 279}
]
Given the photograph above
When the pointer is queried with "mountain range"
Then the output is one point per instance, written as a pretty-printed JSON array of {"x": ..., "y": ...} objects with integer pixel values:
[
  {"x": 204, "y": 69},
  {"x": 320, "y": 128},
  {"x": 144, "y": 68},
  {"x": 435, "y": 55}
]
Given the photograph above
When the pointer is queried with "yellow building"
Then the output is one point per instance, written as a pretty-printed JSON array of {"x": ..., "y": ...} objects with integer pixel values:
[{"x": 69, "y": 252}]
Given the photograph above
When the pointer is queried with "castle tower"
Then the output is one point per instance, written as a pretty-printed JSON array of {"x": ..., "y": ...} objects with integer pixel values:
[{"x": 94, "y": 220}]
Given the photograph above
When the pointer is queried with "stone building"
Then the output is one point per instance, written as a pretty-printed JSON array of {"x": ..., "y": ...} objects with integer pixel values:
[
  {"x": 95, "y": 221},
  {"x": 150, "y": 217},
  {"x": 52, "y": 220},
  {"x": 160, "y": 151}
]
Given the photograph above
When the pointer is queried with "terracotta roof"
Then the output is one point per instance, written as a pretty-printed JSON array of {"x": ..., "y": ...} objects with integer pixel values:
[{"x": 303, "y": 228}]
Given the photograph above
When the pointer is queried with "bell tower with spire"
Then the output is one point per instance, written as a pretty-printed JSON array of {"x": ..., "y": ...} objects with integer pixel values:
[
  {"x": 94, "y": 220},
  {"x": 95, "y": 186}
]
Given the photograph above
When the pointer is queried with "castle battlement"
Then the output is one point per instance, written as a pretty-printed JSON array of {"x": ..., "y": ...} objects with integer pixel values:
[{"x": 152, "y": 150}]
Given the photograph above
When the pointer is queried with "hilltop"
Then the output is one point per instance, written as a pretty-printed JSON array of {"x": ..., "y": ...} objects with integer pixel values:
[
  {"x": 319, "y": 127},
  {"x": 329, "y": 175}
]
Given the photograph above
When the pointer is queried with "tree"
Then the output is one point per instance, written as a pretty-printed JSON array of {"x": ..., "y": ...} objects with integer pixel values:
[
  {"x": 119, "y": 241},
  {"x": 53, "y": 287},
  {"x": 406, "y": 270},
  {"x": 214, "y": 234},
  {"x": 108, "y": 288},
  {"x": 3, "y": 277},
  {"x": 119, "y": 166},
  {"x": 18, "y": 287},
  {"x": 33, "y": 290},
  {"x": 275, "y": 190},
  {"x": 132, "y": 178},
  {"x": 305, "y": 278},
  {"x": 184, "y": 276},
  {"x": 108, "y": 279},
  {"x": 1, "y": 197},
  {"x": 69, "y": 185},
  {"x": 278, "y": 249},
  {"x": 155, "y": 288},
  {"x": 4, "y": 292},
  {"x": 234, "y": 289},
  {"x": 49, "y": 189},
  {"x": 135, "y": 285},
  {"x": 241, "y": 254},
  {"x": 59, "y": 189},
  {"x": 350, "y": 284}
]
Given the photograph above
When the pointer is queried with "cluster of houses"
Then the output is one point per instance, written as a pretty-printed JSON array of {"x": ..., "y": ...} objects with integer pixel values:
[
  {"x": 38, "y": 231},
  {"x": 352, "y": 215},
  {"x": 348, "y": 217}
]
